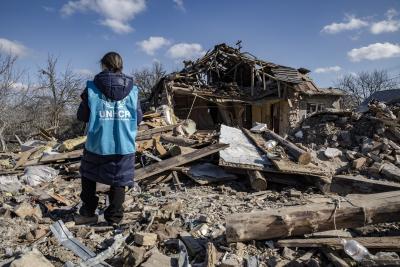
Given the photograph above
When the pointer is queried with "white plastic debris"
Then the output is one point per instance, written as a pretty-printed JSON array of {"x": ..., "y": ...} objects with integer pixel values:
[
  {"x": 259, "y": 127},
  {"x": 167, "y": 113},
  {"x": 35, "y": 175},
  {"x": 186, "y": 128},
  {"x": 355, "y": 250},
  {"x": 10, "y": 183},
  {"x": 299, "y": 134},
  {"x": 270, "y": 144},
  {"x": 332, "y": 153}
]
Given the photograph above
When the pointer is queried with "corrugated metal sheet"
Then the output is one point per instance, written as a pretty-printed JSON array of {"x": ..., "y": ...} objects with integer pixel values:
[{"x": 287, "y": 74}]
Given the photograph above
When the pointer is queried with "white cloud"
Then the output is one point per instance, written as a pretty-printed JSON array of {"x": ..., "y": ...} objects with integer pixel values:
[
  {"x": 374, "y": 52},
  {"x": 117, "y": 26},
  {"x": 13, "y": 47},
  {"x": 116, "y": 14},
  {"x": 84, "y": 72},
  {"x": 18, "y": 86},
  {"x": 391, "y": 13},
  {"x": 385, "y": 26},
  {"x": 185, "y": 51},
  {"x": 151, "y": 45},
  {"x": 328, "y": 69},
  {"x": 351, "y": 23},
  {"x": 179, "y": 4},
  {"x": 388, "y": 25}
]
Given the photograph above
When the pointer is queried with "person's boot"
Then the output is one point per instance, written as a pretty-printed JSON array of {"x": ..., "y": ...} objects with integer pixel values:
[{"x": 81, "y": 219}]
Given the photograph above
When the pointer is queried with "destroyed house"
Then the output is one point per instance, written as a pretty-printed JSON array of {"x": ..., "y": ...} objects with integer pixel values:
[{"x": 235, "y": 88}]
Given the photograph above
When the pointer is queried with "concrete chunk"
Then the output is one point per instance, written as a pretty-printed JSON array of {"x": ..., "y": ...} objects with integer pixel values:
[
  {"x": 32, "y": 258},
  {"x": 359, "y": 163},
  {"x": 390, "y": 171},
  {"x": 145, "y": 239}
]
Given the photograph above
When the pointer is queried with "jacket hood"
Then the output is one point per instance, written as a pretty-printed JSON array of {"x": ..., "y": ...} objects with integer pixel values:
[{"x": 115, "y": 86}]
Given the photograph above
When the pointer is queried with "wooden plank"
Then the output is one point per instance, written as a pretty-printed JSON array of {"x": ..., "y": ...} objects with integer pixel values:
[
  {"x": 334, "y": 258},
  {"x": 303, "y": 157},
  {"x": 148, "y": 134},
  {"x": 288, "y": 166},
  {"x": 177, "y": 140},
  {"x": 354, "y": 211},
  {"x": 63, "y": 156},
  {"x": 211, "y": 260},
  {"x": 388, "y": 243},
  {"x": 167, "y": 164},
  {"x": 25, "y": 156},
  {"x": 347, "y": 184}
]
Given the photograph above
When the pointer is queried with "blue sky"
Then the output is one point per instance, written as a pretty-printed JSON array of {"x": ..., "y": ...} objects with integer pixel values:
[{"x": 331, "y": 38}]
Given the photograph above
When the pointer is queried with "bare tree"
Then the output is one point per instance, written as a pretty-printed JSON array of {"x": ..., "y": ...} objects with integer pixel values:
[
  {"x": 146, "y": 78},
  {"x": 12, "y": 92},
  {"x": 59, "y": 91},
  {"x": 364, "y": 84}
]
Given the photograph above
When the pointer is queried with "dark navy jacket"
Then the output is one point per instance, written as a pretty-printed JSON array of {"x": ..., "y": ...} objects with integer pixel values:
[{"x": 115, "y": 170}]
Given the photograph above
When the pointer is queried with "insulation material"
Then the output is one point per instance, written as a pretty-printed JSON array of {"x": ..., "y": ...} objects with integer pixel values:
[{"x": 240, "y": 150}]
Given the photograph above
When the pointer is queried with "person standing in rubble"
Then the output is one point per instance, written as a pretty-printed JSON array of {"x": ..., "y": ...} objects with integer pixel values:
[{"x": 111, "y": 109}]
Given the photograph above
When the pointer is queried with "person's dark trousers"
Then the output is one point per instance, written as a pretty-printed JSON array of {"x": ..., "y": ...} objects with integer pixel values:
[
  {"x": 115, "y": 211},
  {"x": 88, "y": 197},
  {"x": 116, "y": 195}
]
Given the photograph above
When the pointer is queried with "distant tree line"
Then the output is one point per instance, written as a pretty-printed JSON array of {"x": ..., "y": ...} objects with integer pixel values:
[{"x": 361, "y": 85}]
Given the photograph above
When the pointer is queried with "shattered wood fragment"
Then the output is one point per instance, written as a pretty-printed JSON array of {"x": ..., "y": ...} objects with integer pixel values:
[
  {"x": 63, "y": 156},
  {"x": 25, "y": 156},
  {"x": 334, "y": 258},
  {"x": 302, "y": 157},
  {"x": 148, "y": 134},
  {"x": 177, "y": 140},
  {"x": 257, "y": 180},
  {"x": 385, "y": 243},
  {"x": 71, "y": 144},
  {"x": 257, "y": 140},
  {"x": 211, "y": 255},
  {"x": 167, "y": 164},
  {"x": 160, "y": 149},
  {"x": 354, "y": 211},
  {"x": 346, "y": 184},
  {"x": 316, "y": 175}
]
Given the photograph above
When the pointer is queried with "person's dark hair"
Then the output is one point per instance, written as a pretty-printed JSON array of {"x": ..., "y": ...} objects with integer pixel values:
[{"x": 112, "y": 61}]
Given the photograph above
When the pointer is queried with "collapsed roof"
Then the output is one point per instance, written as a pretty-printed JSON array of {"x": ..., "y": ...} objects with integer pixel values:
[{"x": 226, "y": 72}]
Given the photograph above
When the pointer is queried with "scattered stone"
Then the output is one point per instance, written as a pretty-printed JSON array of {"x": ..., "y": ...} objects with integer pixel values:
[
  {"x": 359, "y": 163},
  {"x": 295, "y": 193},
  {"x": 331, "y": 153},
  {"x": 288, "y": 253},
  {"x": 133, "y": 255},
  {"x": 25, "y": 209},
  {"x": 157, "y": 259},
  {"x": 231, "y": 262},
  {"x": 145, "y": 239},
  {"x": 200, "y": 230},
  {"x": 32, "y": 258},
  {"x": 240, "y": 249}
]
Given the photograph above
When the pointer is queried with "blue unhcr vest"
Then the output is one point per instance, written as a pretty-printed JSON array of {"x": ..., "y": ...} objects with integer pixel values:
[{"x": 112, "y": 124}]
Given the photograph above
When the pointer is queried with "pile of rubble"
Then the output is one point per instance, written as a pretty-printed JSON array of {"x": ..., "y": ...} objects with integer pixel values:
[
  {"x": 233, "y": 197},
  {"x": 366, "y": 142}
]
